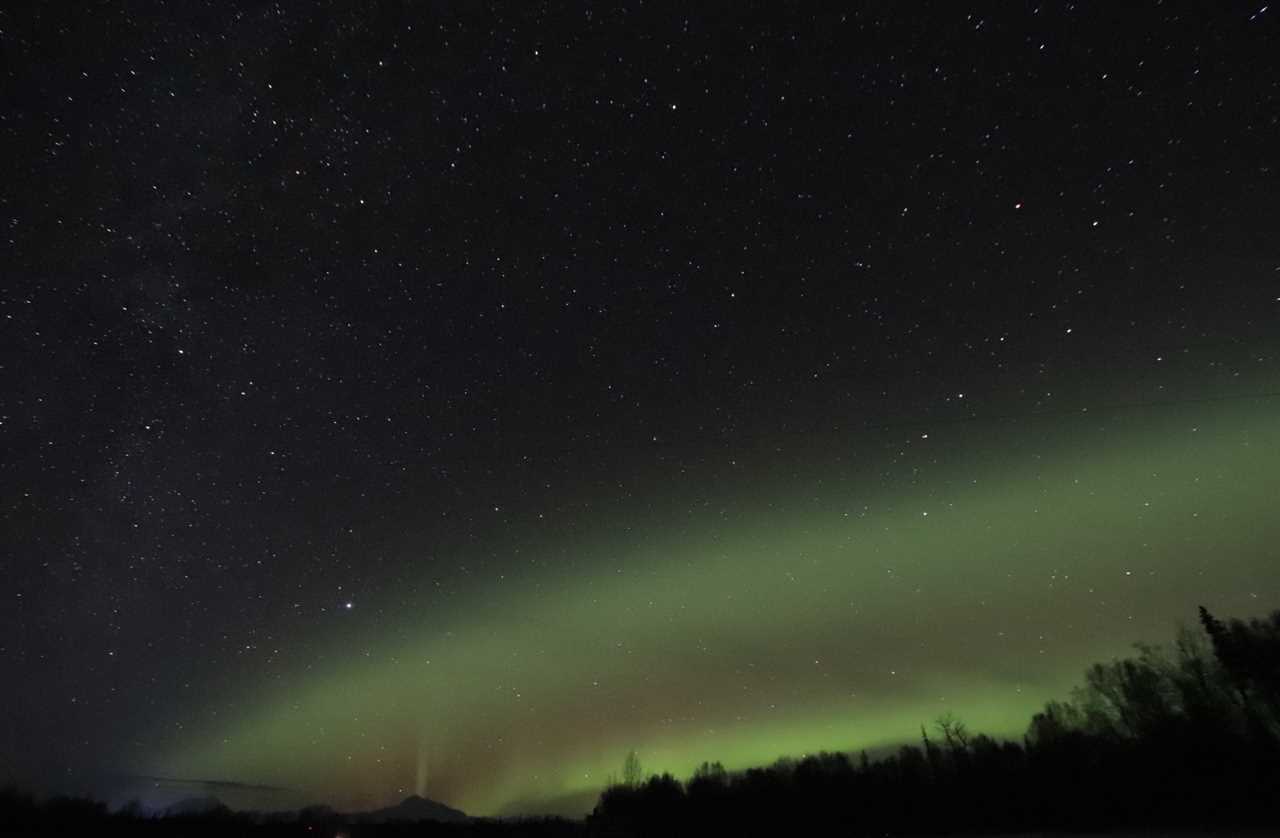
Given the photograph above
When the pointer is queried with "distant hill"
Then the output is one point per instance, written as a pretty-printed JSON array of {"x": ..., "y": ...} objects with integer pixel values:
[{"x": 411, "y": 810}]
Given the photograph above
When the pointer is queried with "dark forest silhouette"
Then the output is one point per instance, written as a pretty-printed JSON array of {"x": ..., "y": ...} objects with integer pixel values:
[{"x": 1185, "y": 736}]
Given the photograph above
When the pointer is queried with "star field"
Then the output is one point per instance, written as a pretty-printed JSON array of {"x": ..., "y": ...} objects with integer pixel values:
[{"x": 450, "y": 400}]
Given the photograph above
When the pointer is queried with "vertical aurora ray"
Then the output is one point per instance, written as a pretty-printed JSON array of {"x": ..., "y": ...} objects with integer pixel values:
[{"x": 420, "y": 783}]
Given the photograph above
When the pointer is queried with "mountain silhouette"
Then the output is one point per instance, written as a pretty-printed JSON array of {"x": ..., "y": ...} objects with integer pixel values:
[{"x": 413, "y": 809}]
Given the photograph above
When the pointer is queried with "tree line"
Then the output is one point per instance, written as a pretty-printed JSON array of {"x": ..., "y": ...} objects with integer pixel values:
[{"x": 1185, "y": 735}]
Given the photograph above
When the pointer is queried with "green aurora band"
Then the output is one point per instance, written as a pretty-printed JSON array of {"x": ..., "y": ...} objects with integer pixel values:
[{"x": 975, "y": 568}]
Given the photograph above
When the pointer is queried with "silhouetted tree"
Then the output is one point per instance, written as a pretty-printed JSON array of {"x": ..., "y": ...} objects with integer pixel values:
[
  {"x": 708, "y": 778},
  {"x": 1250, "y": 654},
  {"x": 953, "y": 731},
  {"x": 632, "y": 773}
]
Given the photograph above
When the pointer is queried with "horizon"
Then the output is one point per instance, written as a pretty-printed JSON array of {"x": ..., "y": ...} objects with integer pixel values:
[{"x": 156, "y": 794}]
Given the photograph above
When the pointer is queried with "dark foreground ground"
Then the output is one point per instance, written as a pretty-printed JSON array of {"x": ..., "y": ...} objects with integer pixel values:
[
  {"x": 163, "y": 828},
  {"x": 21, "y": 816}
]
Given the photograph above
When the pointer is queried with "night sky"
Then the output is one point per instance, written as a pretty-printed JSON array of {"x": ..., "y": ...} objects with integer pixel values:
[{"x": 451, "y": 398}]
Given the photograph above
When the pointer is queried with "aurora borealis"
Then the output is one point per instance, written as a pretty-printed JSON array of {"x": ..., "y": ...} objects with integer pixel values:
[
  {"x": 830, "y": 618},
  {"x": 451, "y": 401}
]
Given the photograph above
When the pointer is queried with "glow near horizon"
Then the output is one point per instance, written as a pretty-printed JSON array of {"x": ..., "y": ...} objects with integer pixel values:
[{"x": 771, "y": 633}]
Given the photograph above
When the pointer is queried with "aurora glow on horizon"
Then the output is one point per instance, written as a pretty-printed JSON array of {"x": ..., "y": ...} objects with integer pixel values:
[
  {"x": 451, "y": 399},
  {"x": 835, "y": 617}
]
